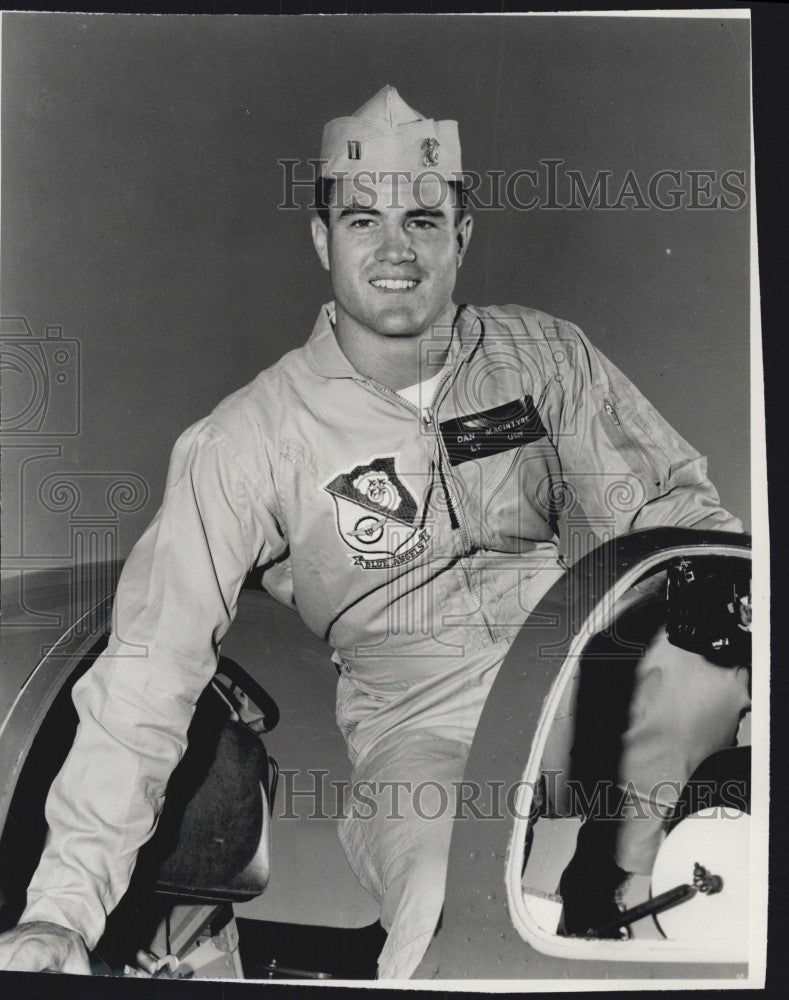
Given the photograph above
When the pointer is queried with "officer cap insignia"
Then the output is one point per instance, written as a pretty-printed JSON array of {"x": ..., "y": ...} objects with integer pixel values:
[
  {"x": 429, "y": 148},
  {"x": 385, "y": 136}
]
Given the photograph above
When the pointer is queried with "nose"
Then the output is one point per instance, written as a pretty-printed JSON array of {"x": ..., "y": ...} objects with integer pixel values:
[{"x": 395, "y": 247}]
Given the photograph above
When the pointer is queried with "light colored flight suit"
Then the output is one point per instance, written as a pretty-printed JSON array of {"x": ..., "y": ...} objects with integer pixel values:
[{"x": 415, "y": 541}]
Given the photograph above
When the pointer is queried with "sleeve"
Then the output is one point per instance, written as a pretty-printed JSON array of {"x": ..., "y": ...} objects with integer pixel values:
[
  {"x": 176, "y": 599},
  {"x": 621, "y": 461}
]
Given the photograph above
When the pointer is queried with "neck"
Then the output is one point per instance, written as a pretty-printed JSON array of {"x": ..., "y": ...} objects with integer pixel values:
[{"x": 394, "y": 361}]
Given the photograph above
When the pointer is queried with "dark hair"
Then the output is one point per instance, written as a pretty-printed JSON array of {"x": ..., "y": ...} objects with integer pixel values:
[{"x": 324, "y": 189}]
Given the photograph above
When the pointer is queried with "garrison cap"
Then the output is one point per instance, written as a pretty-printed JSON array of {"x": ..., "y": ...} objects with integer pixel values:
[{"x": 386, "y": 135}]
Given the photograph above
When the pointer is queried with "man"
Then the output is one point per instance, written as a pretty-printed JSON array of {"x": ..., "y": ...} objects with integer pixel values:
[{"x": 396, "y": 479}]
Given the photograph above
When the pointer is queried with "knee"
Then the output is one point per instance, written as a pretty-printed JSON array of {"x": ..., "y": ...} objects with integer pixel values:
[
  {"x": 685, "y": 696},
  {"x": 414, "y": 884}
]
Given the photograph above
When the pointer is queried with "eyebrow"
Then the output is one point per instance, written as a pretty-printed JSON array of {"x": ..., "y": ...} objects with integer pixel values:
[{"x": 430, "y": 213}]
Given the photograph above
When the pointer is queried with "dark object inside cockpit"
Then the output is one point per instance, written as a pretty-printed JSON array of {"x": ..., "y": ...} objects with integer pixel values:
[{"x": 708, "y": 608}]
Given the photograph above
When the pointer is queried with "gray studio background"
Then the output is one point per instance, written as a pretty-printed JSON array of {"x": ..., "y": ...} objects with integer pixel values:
[{"x": 141, "y": 184}]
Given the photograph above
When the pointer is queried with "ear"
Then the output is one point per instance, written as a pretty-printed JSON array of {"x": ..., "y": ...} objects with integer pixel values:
[
  {"x": 320, "y": 237},
  {"x": 463, "y": 235}
]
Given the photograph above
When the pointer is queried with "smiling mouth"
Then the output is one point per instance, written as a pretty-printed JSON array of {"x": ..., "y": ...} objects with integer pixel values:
[{"x": 394, "y": 284}]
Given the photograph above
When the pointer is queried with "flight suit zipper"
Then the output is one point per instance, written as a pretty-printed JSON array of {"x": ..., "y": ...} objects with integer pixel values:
[
  {"x": 453, "y": 502},
  {"x": 426, "y": 416},
  {"x": 429, "y": 418},
  {"x": 610, "y": 409}
]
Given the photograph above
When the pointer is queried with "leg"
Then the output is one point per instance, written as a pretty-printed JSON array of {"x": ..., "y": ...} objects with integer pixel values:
[
  {"x": 684, "y": 709},
  {"x": 642, "y": 723},
  {"x": 399, "y": 845}
]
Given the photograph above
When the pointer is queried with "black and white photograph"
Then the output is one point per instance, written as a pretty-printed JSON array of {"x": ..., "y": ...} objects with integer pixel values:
[{"x": 382, "y": 476}]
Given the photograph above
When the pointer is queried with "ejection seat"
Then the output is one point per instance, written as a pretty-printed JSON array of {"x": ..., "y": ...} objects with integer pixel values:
[
  {"x": 210, "y": 859},
  {"x": 212, "y": 845},
  {"x": 223, "y": 838}
]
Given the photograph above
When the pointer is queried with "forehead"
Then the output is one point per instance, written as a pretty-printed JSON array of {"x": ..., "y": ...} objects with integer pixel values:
[{"x": 391, "y": 192}]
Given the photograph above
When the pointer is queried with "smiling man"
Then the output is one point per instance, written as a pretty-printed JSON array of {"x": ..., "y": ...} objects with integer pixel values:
[
  {"x": 392, "y": 235},
  {"x": 396, "y": 481}
]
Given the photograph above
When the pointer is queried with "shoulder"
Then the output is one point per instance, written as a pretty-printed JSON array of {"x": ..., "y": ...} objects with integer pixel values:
[
  {"x": 530, "y": 330},
  {"x": 535, "y": 323},
  {"x": 244, "y": 429},
  {"x": 260, "y": 402}
]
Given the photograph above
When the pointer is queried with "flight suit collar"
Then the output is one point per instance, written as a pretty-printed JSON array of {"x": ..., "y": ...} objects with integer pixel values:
[{"x": 325, "y": 357}]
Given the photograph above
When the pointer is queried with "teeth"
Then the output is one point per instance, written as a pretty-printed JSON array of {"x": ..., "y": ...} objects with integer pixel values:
[{"x": 394, "y": 284}]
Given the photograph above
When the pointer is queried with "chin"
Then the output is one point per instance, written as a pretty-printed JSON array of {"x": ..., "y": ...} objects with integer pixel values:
[{"x": 399, "y": 324}]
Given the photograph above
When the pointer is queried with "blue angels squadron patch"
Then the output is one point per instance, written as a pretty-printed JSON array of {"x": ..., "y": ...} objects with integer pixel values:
[{"x": 378, "y": 515}]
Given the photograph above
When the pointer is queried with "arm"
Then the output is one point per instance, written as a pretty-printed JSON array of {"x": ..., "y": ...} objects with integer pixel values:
[
  {"x": 176, "y": 599},
  {"x": 623, "y": 461}
]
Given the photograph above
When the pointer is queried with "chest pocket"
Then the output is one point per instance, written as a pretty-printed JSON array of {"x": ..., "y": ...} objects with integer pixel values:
[
  {"x": 504, "y": 463},
  {"x": 508, "y": 498}
]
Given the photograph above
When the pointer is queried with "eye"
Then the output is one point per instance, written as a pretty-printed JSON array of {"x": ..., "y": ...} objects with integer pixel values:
[
  {"x": 423, "y": 224},
  {"x": 362, "y": 223}
]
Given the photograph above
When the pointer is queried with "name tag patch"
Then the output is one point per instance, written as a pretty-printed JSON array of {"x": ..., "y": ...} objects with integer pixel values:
[{"x": 478, "y": 435}]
